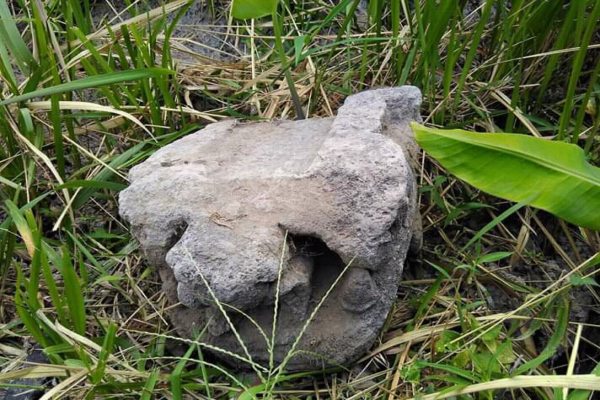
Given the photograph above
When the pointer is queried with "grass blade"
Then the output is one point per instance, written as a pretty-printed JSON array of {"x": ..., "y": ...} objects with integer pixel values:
[
  {"x": 92, "y": 82},
  {"x": 73, "y": 293},
  {"x": 10, "y": 36},
  {"x": 589, "y": 382},
  {"x": 148, "y": 390},
  {"x": 81, "y": 105},
  {"x": 175, "y": 378},
  {"x": 22, "y": 226},
  {"x": 557, "y": 337},
  {"x": 107, "y": 346}
]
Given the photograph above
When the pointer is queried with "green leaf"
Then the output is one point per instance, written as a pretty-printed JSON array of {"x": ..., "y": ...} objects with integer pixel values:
[
  {"x": 47, "y": 254},
  {"x": 11, "y": 37},
  {"x": 175, "y": 378},
  {"x": 505, "y": 353},
  {"x": 77, "y": 183},
  {"x": 492, "y": 335},
  {"x": 22, "y": 226},
  {"x": 553, "y": 176},
  {"x": 105, "y": 352},
  {"x": 83, "y": 247},
  {"x": 246, "y": 9},
  {"x": 253, "y": 392},
  {"x": 448, "y": 368},
  {"x": 6, "y": 69},
  {"x": 577, "y": 280},
  {"x": 29, "y": 321},
  {"x": 108, "y": 278},
  {"x": 148, "y": 390},
  {"x": 91, "y": 82},
  {"x": 490, "y": 225},
  {"x": 411, "y": 373},
  {"x": 73, "y": 293},
  {"x": 446, "y": 342},
  {"x": 486, "y": 363},
  {"x": 492, "y": 257},
  {"x": 558, "y": 335},
  {"x": 106, "y": 173},
  {"x": 584, "y": 394},
  {"x": 298, "y": 46}
]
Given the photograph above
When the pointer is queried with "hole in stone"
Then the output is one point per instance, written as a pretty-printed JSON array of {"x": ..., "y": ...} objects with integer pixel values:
[
  {"x": 176, "y": 230},
  {"x": 327, "y": 264}
]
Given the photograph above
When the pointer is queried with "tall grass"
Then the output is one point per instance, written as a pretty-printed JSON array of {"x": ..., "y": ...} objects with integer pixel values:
[{"x": 81, "y": 103}]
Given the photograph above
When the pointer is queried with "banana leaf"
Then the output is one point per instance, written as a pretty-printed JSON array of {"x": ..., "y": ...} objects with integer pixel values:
[
  {"x": 550, "y": 175},
  {"x": 246, "y": 9}
]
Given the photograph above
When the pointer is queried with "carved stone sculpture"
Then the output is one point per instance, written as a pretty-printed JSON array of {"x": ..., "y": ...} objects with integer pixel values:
[{"x": 225, "y": 211}]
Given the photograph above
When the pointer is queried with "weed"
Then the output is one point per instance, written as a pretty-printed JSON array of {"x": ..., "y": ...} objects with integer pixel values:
[{"x": 80, "y": 104}]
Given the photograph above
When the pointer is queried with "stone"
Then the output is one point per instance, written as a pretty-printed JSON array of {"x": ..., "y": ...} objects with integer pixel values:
[
  {"x": 28, "y": 388},
  {"x": 223, "y": 212}
]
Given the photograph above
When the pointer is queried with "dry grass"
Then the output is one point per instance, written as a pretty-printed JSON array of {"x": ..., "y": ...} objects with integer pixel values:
[{"x": 475, "y": 316}]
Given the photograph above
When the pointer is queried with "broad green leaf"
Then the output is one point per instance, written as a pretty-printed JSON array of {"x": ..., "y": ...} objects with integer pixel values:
[
  {"x": 246, "y": 9},
  {"x": 550, "y": 175},
  {"x": 486, "y": 364},
  {"x": 492, "y": 335},
  {"x": 411, "y": 373},
  {"x": 505, "y": 353},
  {"x": 91, "y": 82}
]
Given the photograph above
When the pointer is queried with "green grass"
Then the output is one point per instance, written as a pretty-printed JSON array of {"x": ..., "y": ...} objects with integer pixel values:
[{"x": 81, "y": 102}]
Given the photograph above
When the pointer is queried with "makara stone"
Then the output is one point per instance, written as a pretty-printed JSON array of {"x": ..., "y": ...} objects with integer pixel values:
[{"x": 240, "y": 216}]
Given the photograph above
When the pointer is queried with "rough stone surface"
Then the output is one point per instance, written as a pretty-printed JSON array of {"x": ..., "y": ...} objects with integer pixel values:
[{"x": 212, "y": 209}]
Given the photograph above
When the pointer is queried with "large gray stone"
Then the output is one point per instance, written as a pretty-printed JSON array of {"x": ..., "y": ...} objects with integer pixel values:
[{"x": 213, "y": 209}]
